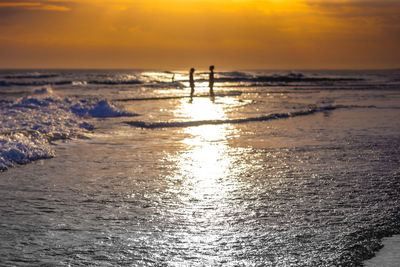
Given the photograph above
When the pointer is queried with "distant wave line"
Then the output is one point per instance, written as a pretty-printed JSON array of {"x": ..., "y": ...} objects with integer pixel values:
[
  {"x": 66, "y": 82},
  {"x": 31, "y": 76},
  {"x": 274, "y": 116},
  {"x": 286, "y": 79}
]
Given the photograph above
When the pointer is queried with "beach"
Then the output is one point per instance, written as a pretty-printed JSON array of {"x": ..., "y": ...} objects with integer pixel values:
[{"x": 281, "y": 168}]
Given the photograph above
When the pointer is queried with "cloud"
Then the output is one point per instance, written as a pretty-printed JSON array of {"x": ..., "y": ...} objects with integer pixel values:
[
  {"x": 37, "y": 5},
  {"x": 359, "y": 3},
  {"x": 368, "y": 16},
  {"x": 50, "y": 8},
  {"x": 148, "y": 32},
  {"x": 355, "y": 7},
  {"x": 18, "y": 4}
]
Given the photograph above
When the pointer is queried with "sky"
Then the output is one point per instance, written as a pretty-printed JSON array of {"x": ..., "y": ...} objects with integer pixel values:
[{"x": 179, "y": 34}]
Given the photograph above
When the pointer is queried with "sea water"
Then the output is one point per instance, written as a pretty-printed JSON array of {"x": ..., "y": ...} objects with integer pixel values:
[{"x": 280, "y": 169}]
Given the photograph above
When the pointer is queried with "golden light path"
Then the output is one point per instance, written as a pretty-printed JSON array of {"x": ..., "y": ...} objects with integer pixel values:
[
  {"x": 206, "y": 159},
  {"x": 206, "y": 169}
]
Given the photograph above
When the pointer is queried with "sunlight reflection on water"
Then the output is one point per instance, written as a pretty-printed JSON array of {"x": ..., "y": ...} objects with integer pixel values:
[
  {"x": 201, "y": 109},
  {"x": 206, "y": 167},
  {"x": 207, "y": 159}
]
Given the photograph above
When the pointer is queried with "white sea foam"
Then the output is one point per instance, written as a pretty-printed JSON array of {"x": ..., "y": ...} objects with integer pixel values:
[
  {"x": 44, "y": 91},
  {"x": 28, "y": 124},
  {"x": 79, "y": 83},
  {"x": 21, "y": 148},
  {"x": 103, "y": 108}
]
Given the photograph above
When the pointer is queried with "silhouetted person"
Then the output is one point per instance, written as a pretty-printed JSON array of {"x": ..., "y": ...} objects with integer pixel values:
[
  {"x": 173, "y": 77},
  {"x": 191, "y": 82},
  {"x": 211, "y": 82}
]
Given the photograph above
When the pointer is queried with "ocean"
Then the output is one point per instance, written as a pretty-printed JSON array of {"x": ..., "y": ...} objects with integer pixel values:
[{"x": 122, "y": 168}]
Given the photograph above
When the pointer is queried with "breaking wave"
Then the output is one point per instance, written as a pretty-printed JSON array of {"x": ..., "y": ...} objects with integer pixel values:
[
  {"x": 29, "y": 124},
  {"x": 274, "y": 116},
  {"x": 23, "y": 147},
  {"x": 102, "y": 108}
]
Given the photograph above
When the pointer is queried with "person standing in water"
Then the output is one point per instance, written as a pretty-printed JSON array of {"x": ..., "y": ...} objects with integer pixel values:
[
  {"x": 211, "y": 81},
  {"x": 191, "y": 82}
]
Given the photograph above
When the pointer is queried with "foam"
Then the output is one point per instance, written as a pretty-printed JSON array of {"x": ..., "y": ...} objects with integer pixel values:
[
  {"x": 79, "y": 83},
  {"x": 44, "y": 91},
  {"x": 102, "y": 108},
  {"x": 21, "y": 148},
  {"x": 29, "y": 124}
]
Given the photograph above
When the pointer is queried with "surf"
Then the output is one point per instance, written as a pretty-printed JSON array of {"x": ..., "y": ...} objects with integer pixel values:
[{"x": 273, "y": 116}]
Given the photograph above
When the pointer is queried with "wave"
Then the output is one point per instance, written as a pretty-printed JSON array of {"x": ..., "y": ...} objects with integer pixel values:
[
  {"x": 66, "y": 82},
  {"x": 30, "y": 76},
  {"x": 4, "y": 101},
  {"x": 220, "y": 94},
  {"x": 161, "y": 81},
  {"x": 33, "y": 83},
  {"x": 79, "y": 83},
  {"x": 14, "y": 93},
  {"x": 100, "y": 109},
  {"x": 23, "y": 147},
  {"x": 165, "y": 85},
  {"x": 248, "y": 77},
  {"x": 290, "y": 78},
  {"x": 235, "y": 74},
  {"x": 29, "y": 124},
  {"x": 274, "y": 116},
  {"x": 114, "y": 82}
]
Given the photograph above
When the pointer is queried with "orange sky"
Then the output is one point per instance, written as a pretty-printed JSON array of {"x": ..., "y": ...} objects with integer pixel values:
[{"x": 175, "y": 34}]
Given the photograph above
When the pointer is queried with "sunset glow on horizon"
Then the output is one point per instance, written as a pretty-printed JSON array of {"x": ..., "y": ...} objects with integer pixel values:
[{"x": 235, "y": 34}]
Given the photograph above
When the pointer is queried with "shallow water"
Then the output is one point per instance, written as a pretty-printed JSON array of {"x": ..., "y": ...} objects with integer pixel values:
[
  {"x": 320, "y": 189},
  {"x": 209, "y": 196},
  {"x": 388, "y": 256}
]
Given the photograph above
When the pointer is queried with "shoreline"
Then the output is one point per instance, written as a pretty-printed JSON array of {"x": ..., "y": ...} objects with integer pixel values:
[{"x": 387, "y": 256}]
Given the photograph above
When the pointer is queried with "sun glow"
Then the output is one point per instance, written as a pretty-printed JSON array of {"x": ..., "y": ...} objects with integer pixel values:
[{"x": 231, "y": 34}]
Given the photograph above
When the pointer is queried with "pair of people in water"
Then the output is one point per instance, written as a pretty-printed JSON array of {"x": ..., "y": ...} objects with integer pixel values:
[{"x": 210, "y": 84}]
